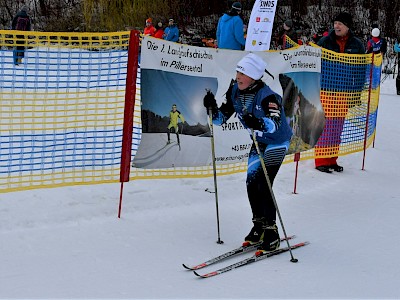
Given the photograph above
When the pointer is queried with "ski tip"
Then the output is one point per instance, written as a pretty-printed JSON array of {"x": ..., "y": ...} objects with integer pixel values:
[
  {"x": 194, "y": 267},
  {"x": 205, "y": 275},
  {"x": 197, "y": 274}
]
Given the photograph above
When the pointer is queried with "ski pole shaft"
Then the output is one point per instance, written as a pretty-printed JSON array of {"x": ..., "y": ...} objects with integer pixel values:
[
  {"x": 272, "y": 193},
  {"x": 215, "y": 172}
]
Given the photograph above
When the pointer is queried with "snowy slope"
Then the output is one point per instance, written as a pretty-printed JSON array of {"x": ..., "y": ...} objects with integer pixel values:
[{"x": 69, "y": 243}]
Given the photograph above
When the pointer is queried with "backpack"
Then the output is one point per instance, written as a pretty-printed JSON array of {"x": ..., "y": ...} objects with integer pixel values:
[{"x": 22, "y": 23}]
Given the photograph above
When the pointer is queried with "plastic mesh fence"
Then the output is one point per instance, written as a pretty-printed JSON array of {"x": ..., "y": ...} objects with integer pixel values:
[{"x": 62, "y": 110}]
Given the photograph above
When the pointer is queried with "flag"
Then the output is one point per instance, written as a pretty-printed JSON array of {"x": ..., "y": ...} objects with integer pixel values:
[{"x": 260, "y": 26}]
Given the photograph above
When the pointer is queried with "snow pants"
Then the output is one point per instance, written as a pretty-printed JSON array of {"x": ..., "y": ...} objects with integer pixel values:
[
  {"x": 259, "y": 194},
  {"x": 398, "y": 75}
]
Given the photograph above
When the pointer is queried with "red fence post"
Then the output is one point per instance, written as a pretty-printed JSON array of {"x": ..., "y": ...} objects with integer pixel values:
[{"x": 130, "y": 92}]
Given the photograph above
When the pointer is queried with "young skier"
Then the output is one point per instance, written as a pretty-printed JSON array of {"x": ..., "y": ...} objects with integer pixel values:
[{"x": 260, "y": 111}]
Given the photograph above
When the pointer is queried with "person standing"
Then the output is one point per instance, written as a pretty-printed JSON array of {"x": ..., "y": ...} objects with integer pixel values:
[
  {"x": 261, "y": 112},
  {"x": 174, "y": 116},
  {"x": 230, "y": 29},
  {"x": 342, "y": 40},
  {"x": 171, "y": 33},
  {"x": 288, "y": 31},
  {"x": 21, "y": 22},
  {"x": 159, "y": 31},
  {"x": 149, "y": 29},
  {"x": 397, "y": 50},
  {"x": 376, "y": 44}
]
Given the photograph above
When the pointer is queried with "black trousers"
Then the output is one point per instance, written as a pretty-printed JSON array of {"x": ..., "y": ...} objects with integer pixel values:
[{"x": 398, "y": 75}]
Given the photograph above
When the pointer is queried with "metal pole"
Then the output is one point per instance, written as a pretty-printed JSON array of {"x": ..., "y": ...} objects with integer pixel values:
[{"x": 215, "y": 172}]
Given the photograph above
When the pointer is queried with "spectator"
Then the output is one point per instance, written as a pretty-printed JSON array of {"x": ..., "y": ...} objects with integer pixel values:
[
  {"x": 320, "y": 33},
  {"x": 159, "y": 31},
  {"x": 397, "y": 50},
  {"x": 341, "y": 39},
  {"x": 288, "y": 31},
  {"x": 149, "y": 28},
  {"x": 230, "y": 29},
  {"x": 21, "y": 22},
  {"x": 376, "y": 44},
  {"x": 171, "y": 33},
  {"x": 261, "y": 112}
]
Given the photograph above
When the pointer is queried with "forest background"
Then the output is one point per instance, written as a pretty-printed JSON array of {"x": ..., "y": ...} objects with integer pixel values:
[{"x": 197, "y": 19}]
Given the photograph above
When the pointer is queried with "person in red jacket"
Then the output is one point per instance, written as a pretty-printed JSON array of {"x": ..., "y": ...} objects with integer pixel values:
[
  {"x": 159, "y": 31},
  {"x": 342, "y": 40},
  {"x": 149, "y": 28},
  {"x": 376, "y": 43}
]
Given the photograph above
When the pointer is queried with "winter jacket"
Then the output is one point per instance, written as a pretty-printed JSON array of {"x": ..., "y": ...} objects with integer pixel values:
[
  {"x": 149, "y": 30},
  {"x": 21, "y": 21},
  {"x": 171, "y": 33},
  {"x": 353, "y": 44},
  {"x": 264, "y": 106},
  {"x": 159, "y": 33},
  {"x": 230, "y": 32},
  {"x": 396, "y": 48},
  {"x": 377, "y": 45},
  {"x": 288, "y": 33}
]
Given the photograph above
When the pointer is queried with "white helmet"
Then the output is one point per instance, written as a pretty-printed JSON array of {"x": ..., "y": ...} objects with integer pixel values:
[{"x": 375, "y": 32}]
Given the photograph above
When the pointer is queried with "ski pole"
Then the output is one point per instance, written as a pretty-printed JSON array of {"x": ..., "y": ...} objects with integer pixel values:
[
  {"x": 214, "y": 171},
  {"x": 294, "y": 260}
]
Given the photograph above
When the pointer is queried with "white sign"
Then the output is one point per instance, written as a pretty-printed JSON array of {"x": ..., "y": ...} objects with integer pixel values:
[{"x": 261, "y": 21}]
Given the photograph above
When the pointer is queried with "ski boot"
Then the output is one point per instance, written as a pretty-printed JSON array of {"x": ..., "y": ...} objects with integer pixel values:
[
  {"x": 271, "y": 240},
  {"x": 336, "y": 168},
  {"x": 256, "y": 233},
  {"x": 324, "y": 169}
]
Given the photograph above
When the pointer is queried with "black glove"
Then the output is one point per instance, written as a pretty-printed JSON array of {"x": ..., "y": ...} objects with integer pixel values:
[
  {"x": 210, "y": 102},
  {"x": 252, "y": 122}
]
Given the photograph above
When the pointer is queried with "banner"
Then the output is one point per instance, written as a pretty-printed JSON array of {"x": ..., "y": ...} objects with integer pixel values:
[
  {"x": 261, "y": 21},
  {"x": 174, "y": 81}
]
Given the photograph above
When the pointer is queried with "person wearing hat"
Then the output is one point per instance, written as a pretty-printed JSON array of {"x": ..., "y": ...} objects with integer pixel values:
[
  {"x": 21, "y": 22},
  {"x": 342, "y": 40},
  {"x": 288, "y": 32},
  {"x": 261, "y": 112},
  {"x": 376, "y": 44},
  {"x": 230, "y": 29},
  {"x": 171, "y": 33},
  {"x": 149, "y": 29},
  {"x": 174, "y": 116},
  {"x": 159, "y": 31}
]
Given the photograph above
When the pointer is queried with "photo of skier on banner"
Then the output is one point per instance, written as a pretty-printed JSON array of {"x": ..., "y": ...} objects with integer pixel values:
[{"x": 174, "y": 116}]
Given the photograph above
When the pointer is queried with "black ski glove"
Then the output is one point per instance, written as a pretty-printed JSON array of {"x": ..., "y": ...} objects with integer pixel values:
[
  {"x": 210, "y": 102},
  {"x": 252, "y": 122}
]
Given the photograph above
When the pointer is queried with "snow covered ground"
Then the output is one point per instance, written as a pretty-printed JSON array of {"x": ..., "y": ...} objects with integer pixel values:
[{"x": 69, "y": 243}]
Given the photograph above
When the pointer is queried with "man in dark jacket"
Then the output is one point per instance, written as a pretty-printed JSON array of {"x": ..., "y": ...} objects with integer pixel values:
[
  {"x": 20, "y": 22},
  {"x": 288, "y": 32},
  {"x": 341, "y": 39}
]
